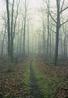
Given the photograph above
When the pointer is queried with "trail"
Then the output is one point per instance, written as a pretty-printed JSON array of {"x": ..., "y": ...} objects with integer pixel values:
[
  {"x": 33, "y": 79},
  {"x": 34, "y": 89}
]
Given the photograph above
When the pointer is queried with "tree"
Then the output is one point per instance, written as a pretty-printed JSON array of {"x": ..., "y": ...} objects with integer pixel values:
[
  {"x": 48, "y": 26},
  {"x": 59, "y": 12},
  {"x": 12, "y": 37},
  {"x": 8, "y": 27},
  {"x": 25, "y": 16}
]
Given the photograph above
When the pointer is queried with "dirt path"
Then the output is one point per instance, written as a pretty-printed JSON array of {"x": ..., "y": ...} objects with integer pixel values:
[
  {"x": 34, "y": 89},
  {"x": 32, "y": 79}
]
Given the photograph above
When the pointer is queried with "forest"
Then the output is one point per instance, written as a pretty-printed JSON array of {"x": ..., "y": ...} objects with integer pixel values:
[{"x": 33, "y": 48}]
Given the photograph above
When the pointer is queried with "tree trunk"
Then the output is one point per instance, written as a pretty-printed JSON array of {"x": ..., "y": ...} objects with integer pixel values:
[
  {"x": 48, "y": 25},
  {"x": 8, "y": 28},
  {"x": 57, "y": 31},
  {"x": 12, "y": 38}
]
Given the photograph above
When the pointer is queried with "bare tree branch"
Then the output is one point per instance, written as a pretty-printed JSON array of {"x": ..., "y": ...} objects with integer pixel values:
[
  {"x": 63, "y": 23},
  {"x": 64, "y": 9},
  {"x": 62, "y": 4},
  {"x": 50, "y": 13},
  {"x": 52, "y": 30},
  {"x": 53, "y": 24},
  {"x": 17, "y": 12},
  {"x": 52, "y": 17}
]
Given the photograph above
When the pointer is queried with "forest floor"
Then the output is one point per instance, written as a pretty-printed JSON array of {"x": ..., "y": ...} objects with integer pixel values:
[{"x": 32, "y": 78}]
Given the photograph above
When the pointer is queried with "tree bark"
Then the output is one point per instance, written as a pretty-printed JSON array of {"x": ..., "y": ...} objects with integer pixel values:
[
  {"x": 8, "y": 28},
  {"x": 57, "y": 31}
]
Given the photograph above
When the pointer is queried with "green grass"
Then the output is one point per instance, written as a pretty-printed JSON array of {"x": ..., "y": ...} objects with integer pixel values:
[
  {"x": 48, "y": 85},
  {"x": 26, "y": 77}
]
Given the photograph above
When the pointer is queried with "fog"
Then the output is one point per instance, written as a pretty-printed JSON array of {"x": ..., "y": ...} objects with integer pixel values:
[
  {"x": 35, "y": 29},
  {"x": 33, "y": 48}
]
